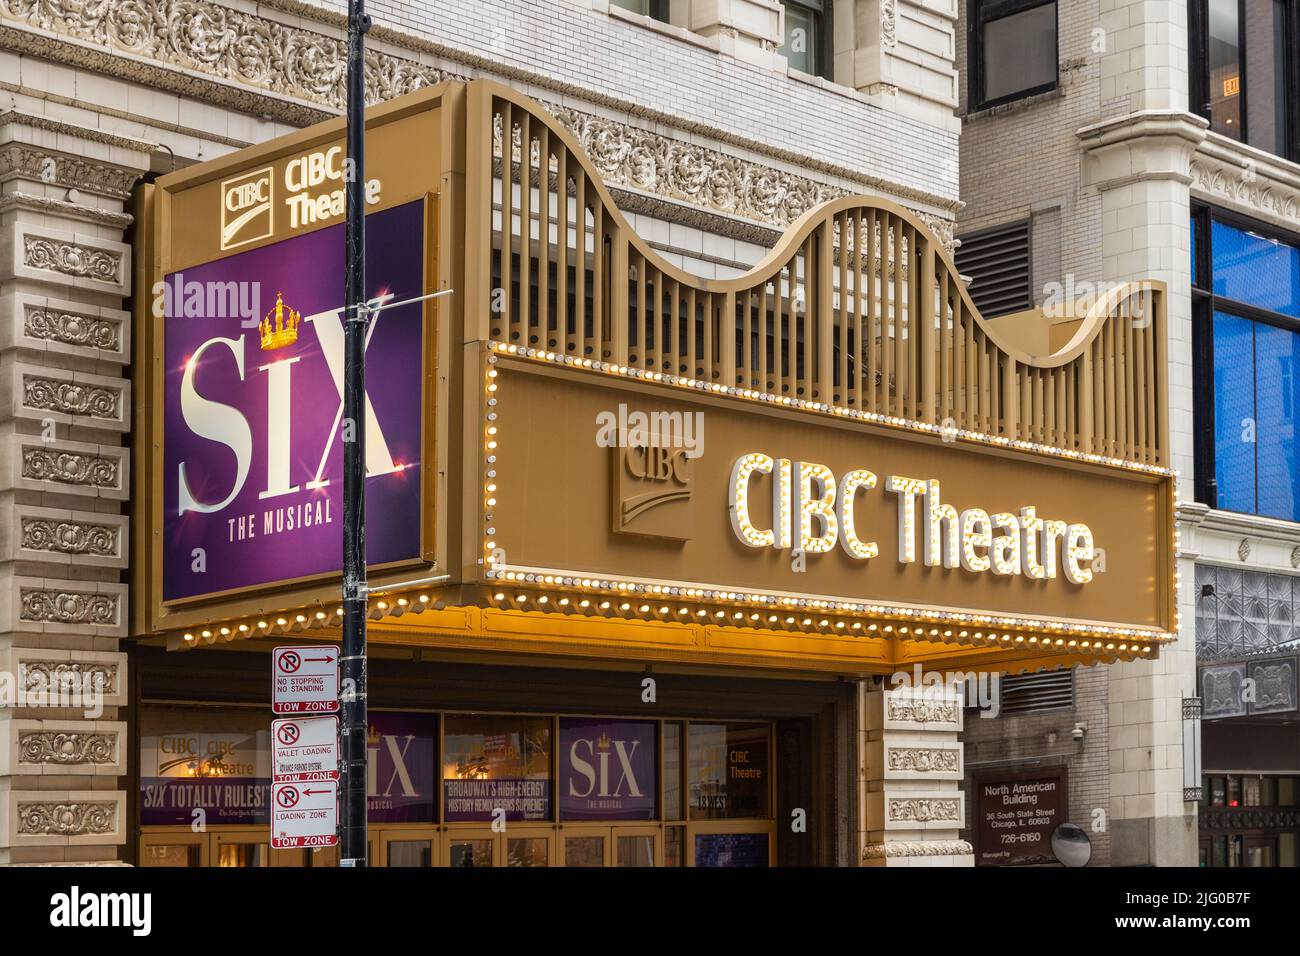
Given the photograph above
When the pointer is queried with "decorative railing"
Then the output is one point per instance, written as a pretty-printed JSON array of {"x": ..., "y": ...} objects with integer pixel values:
[{"x": 858, "y": 306}]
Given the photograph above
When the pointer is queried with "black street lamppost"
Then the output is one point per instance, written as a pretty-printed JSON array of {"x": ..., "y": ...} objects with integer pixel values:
[{"x": 352, "y": 732}]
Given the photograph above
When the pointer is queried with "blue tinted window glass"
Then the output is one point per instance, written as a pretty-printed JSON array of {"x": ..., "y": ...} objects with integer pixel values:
[
  {"x": 1196, "y": 276},
  {"x": 1277, "y": 352},
  {"x": 1234, "y": 412},
  {"x": 1253, "y": 269}
]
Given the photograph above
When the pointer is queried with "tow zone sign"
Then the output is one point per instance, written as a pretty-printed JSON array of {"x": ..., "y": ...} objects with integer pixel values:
[
  {"x": 305, "y": 749},
  {"x": 305, "y": 680},
  {"x": 304, "y": 814}
]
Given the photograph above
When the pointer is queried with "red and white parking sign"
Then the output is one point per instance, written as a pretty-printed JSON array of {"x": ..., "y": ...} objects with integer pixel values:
[
  {"x": 304, "y": 814},
  {"x": 305, "y": 680},
  {"x": 305, "y": 749}
]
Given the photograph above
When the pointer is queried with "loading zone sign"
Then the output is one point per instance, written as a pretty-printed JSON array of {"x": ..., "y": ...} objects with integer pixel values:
[
  {"x": 305, "y": 680},
  {"x": 304, "y": 814},
  {"x": 305, "y": 749}
]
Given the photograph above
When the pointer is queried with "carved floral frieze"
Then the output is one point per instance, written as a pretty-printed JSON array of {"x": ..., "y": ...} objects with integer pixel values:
[
  {"x": 73, "y": 677},
  {"x": 72, "y": 258},
  {"x": 923, "y": 759},
  {"x": 90, "y": 818},
  {"x": 72, "y": 328},
  {"x": 71, "y": 398},
  {"x": 925, "y": 809},
  {"x": 70, "y": 537},
  {"x": 67, "y": 748},
  {"x": 94, "y": 471},
  {"x": 52, "y": 606}
]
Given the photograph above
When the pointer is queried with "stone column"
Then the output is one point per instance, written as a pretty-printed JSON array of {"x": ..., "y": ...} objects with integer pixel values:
[
  {"x": 1139, "y": 163},
  {"x": 64, "y": 412},
  {"x": 910, "y": 774}
]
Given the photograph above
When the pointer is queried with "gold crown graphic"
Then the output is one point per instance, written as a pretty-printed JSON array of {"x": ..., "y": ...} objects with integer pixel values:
[
  {"x": 283, "y": 330},
  {"x": 603, "y": 742},
  {"x": 373, "y": 736}
]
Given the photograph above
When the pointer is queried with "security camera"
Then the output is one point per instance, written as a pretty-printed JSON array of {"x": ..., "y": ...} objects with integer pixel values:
[{"x": 1079, "y": 731}]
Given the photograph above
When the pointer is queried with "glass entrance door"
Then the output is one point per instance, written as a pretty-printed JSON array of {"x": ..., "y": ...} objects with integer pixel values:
[{"x": 404, "y": 847}]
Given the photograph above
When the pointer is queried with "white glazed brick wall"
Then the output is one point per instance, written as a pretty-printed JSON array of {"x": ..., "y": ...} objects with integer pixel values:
[{"x": 568, "y": 41}]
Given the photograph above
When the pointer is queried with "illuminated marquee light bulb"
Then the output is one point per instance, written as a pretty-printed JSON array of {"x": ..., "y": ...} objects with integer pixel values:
[
  {"x": 783, "y": 502},
  {"x": 942, "y": 531},
  {"x": 818, "y": 503},
  {"x": 849, "y": 539},
  {"x": 741, "y": 472},
  {"x": 908, "y": 490},
  {"x": 1079, "y": 552},
  {"x": 976, "y": 539},
  {"x": 1030, "y": 525},
  {"x": 1006, "y": 547},
  {"x": 1053, "y": 534}
]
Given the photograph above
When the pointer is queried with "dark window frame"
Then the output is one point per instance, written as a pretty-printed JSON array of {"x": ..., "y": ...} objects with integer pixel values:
[
  {"x": 658, "y": 10},
  {"x": 1204, "y": 306},
  {"x": 824, "y": 37},
  {"x": 1198, "y": 43},
  {"x": 981, "y": 13}
]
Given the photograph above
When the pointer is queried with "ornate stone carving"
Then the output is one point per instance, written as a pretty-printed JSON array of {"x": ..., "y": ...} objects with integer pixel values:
[
  {"x": 68, "y": 607},
  {"x": 72, "y": 328},
  {"x": 71, "y": 398},
  {"x": 923, "y": 759},
  {"x": 72, "y": 677},
  {"x": 64, "y": 748},
  {"x": 71, "y": 258},
  {"x": 905, "y": 848},
  {"x": 889, "y": 22},
  {"x": 69, "y": 537},
  {"x": 1245, "y": 186},
  {"x": 229, "y": 44},
  {"x": 67, "y": 819},
  {"x": 921, "y": 711},
  {"x": 925, "y": 809},
  {"x": 64, "y": 209},
  {"x": 638, "y": 159},
  {"x": 73, "y": 172},
  {"x": 1243, "y": 549},
  {"x": 97, "y": 471}
]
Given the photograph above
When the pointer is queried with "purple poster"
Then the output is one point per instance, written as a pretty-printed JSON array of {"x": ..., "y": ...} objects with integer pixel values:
[
  {"x": 607, "y": 769},
  {"x": 402, "y": 767},
  {"x": 253, "y": 414}
]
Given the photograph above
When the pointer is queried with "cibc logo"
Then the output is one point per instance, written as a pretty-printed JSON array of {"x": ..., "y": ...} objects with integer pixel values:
[{"x": 246, "y": 208}]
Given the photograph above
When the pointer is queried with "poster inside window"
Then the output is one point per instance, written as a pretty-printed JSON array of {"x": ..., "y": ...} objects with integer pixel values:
[
  {"x": 730, "y": 772},
  {"x": 492, "y": 764}
]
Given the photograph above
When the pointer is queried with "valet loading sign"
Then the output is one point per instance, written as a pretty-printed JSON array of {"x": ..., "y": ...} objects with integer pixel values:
[{"x": 305, "y": 768}]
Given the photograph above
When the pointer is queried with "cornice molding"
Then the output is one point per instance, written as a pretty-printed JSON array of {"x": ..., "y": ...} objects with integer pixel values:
[
  {"x": 64, "y": 209},
  {"x": 1248, "y": 180}
]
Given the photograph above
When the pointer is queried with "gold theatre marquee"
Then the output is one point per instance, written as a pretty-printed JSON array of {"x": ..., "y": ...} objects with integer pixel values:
[{"x": 830, "y": 463}]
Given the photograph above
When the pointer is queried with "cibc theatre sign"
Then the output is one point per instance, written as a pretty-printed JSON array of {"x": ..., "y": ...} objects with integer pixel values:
[
  {"x": 242, "y": 356},
  {"x": 713, "y": 499}
]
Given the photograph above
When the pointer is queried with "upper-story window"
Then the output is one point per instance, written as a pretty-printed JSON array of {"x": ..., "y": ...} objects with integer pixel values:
[
  {"x": 647, "y": 8},
  {"x": 1246, "y": 329},
  {"x": 1011, "y": 51},
  {"x": 1243, "y": 66},
  {"x": 807, "y": 46}
]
